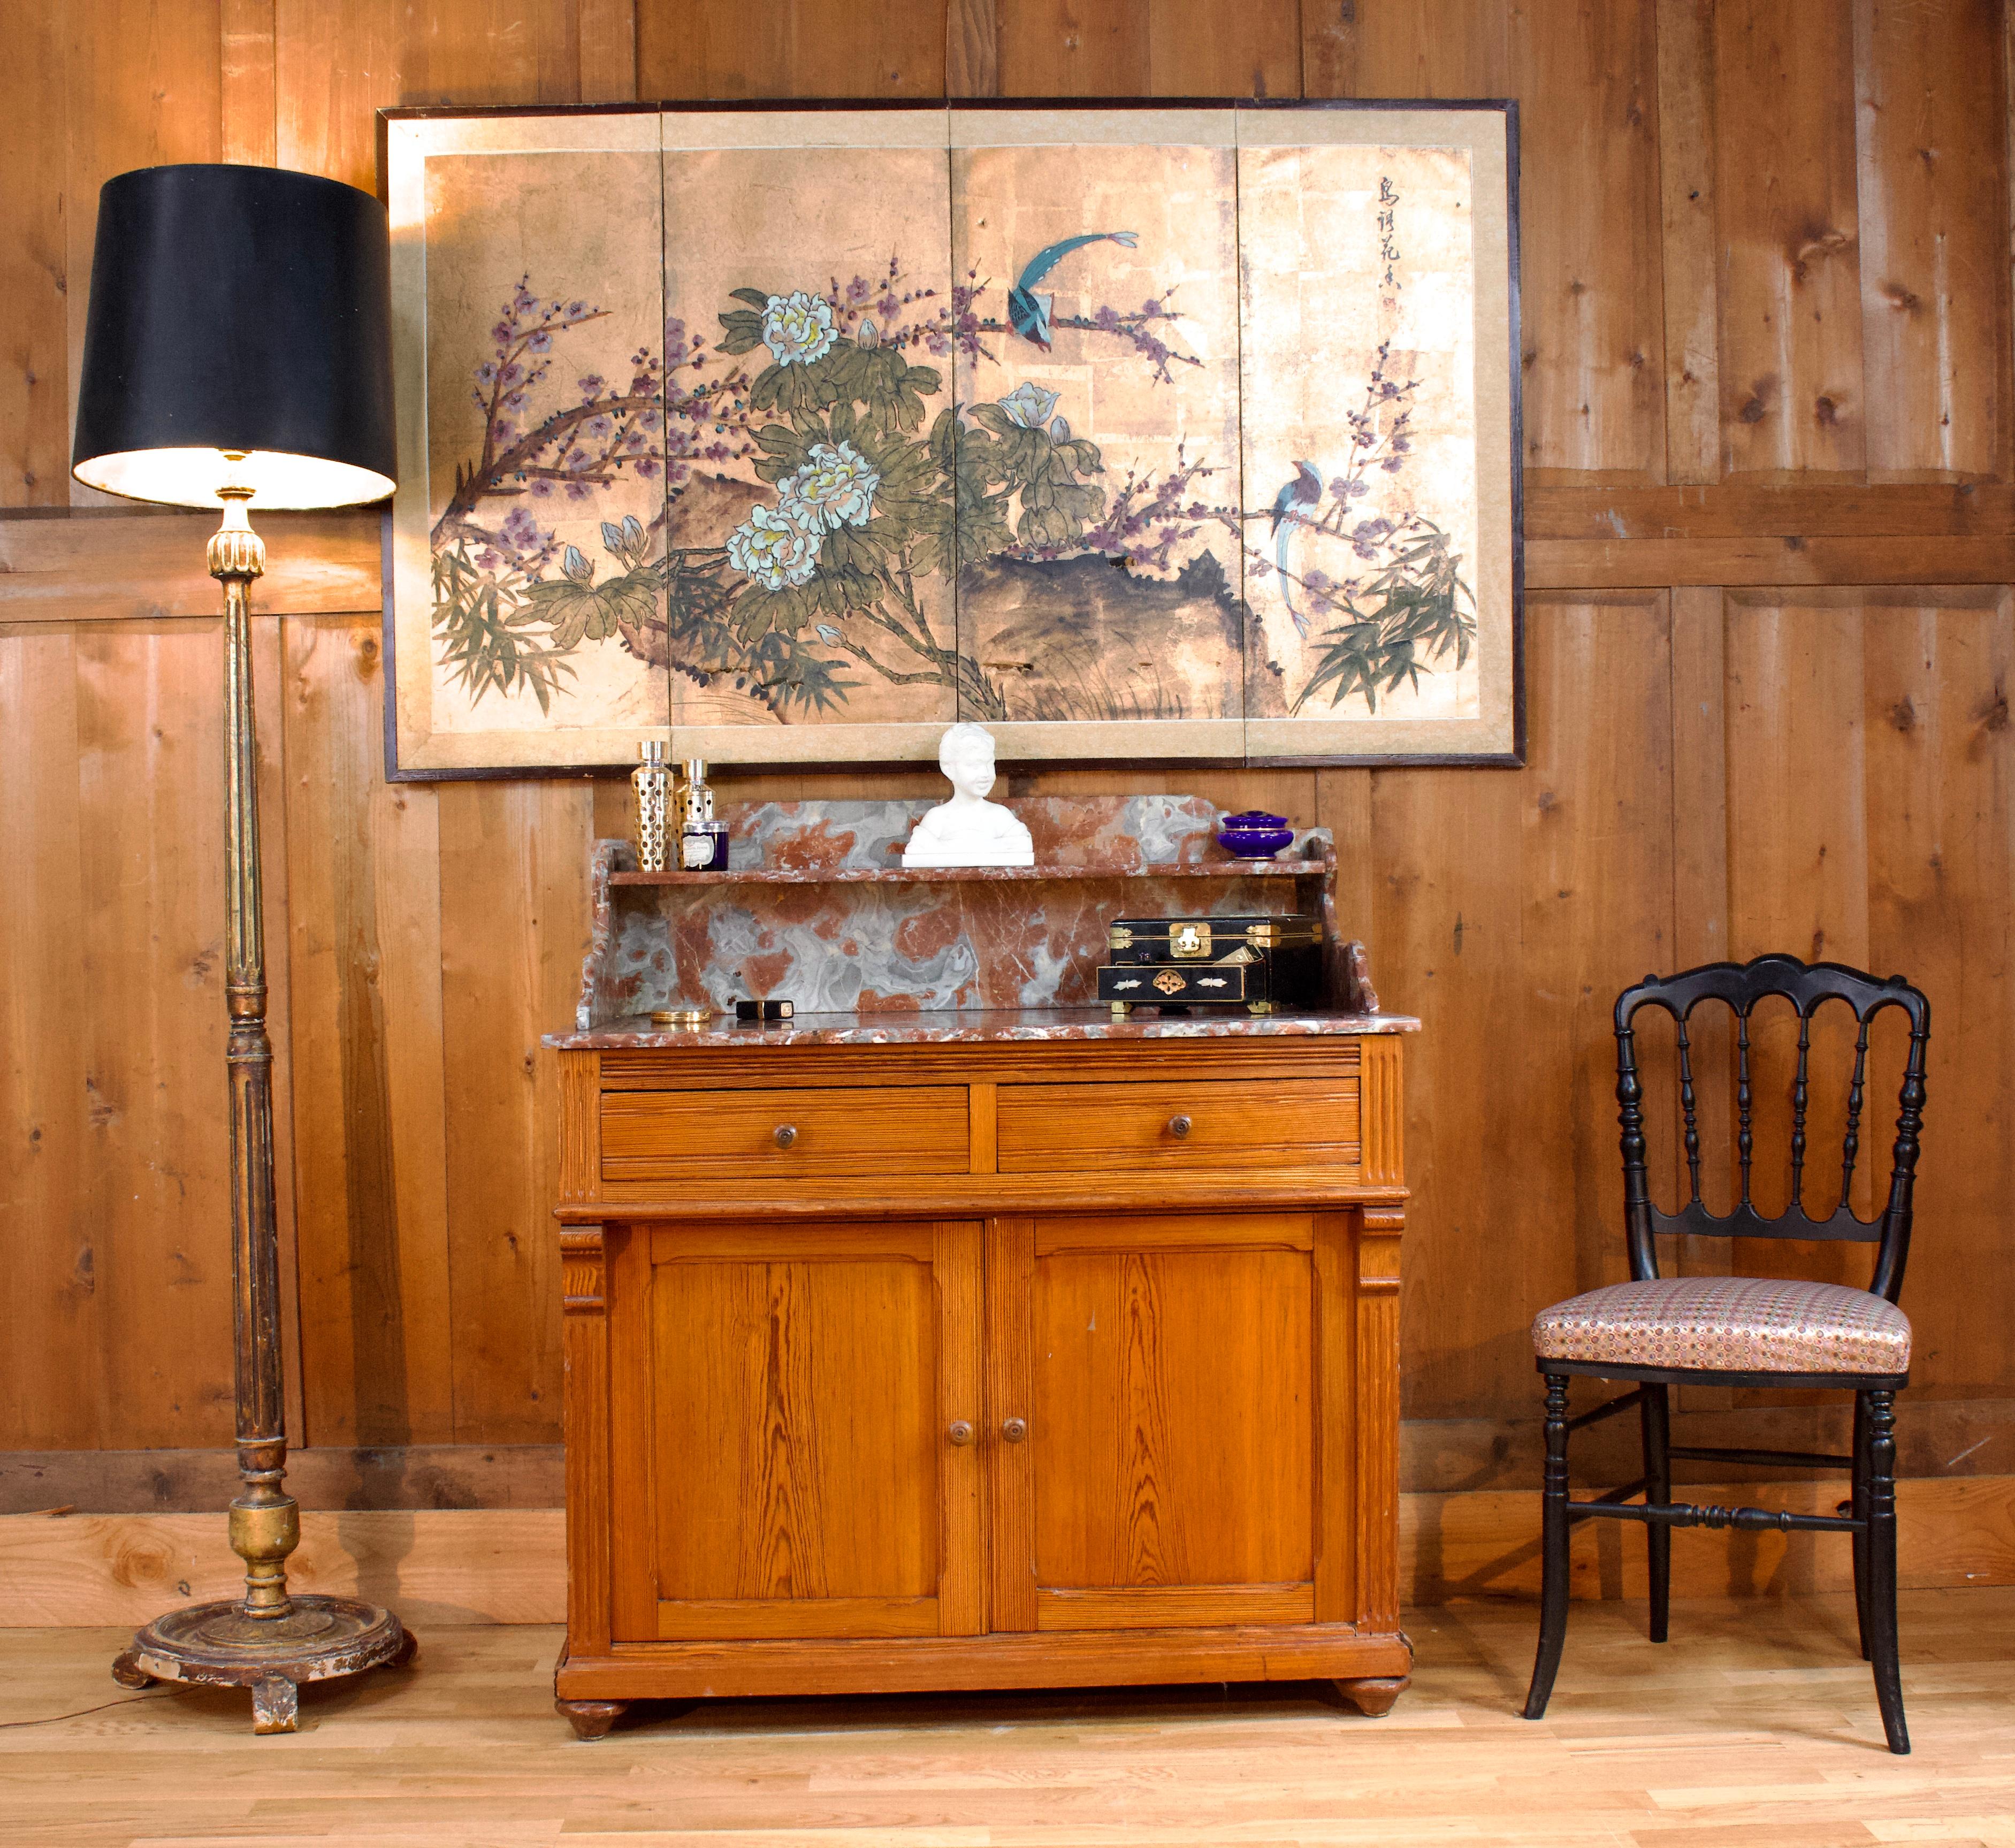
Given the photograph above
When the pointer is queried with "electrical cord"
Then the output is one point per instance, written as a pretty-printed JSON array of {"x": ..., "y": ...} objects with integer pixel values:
[{"x": 129, "y": 1700}]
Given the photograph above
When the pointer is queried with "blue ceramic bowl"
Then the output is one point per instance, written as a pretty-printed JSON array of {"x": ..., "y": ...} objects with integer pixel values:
[{"x": 1254, "y": 835}]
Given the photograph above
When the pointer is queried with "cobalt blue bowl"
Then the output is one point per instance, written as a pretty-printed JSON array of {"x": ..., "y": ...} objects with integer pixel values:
[{"x": 1254, "y": 835}]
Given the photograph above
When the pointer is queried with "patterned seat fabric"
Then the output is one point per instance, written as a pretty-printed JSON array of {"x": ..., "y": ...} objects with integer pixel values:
[{"x": 1749, "y": 1325}]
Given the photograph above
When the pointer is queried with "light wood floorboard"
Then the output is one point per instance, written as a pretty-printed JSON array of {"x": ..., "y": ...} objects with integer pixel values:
[{"x": 1756, "y": 1724}]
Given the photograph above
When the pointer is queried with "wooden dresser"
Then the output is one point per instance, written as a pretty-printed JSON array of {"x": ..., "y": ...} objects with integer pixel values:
[{"x": 974, "y": 1348}]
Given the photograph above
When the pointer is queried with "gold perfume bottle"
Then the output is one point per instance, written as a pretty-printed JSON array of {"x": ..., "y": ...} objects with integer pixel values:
[{"x": 652, "y": 782}]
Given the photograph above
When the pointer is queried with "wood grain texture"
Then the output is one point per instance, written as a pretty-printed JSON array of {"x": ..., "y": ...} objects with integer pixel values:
[
  {"x": 584, "y": 1351},
  {"x": 720, "y": 49},
  {"x": 513, "y": 930},
  {"x": 363, "y": 956},
  {"x": 1010, "y": 1267},
  {"x": 824, "y": 1499},
  {"x": 35, "y": 266},
  {"x": 508, "y": 1566},
  {"x": 1931, "y": 116},
  {"x": 1768, "y": 1696},
  {"x": 1882, "y": 124},
  {"x": 1091, "y": 1127},
  {"x": 1792, "y": 393},
  {"x": 1691, "y": 250},
  {"x": 1589, "y": 288},
  {"x": 782, "y": 1135},
  {"x": 1172, "y": 1420}
]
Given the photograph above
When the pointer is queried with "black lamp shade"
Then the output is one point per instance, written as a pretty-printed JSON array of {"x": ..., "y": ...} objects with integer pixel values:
[{"x": 238, "y": 312}]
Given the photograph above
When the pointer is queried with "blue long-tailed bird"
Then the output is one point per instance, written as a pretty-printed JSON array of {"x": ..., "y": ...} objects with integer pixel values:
[
  {"x": 1304, "y": 490},
  {"x": 1028, "y": 313}
]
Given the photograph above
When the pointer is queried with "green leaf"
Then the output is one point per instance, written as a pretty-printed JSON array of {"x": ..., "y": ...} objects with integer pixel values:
[{"x": 754, "y": 297}]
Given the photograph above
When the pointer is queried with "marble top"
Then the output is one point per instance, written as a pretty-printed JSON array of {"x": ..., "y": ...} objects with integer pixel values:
[{"x": 970, "y": 1026}]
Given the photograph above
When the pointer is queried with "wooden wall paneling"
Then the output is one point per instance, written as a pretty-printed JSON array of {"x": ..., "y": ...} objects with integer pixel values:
[
  {"x": 1433, "y": 48},
  {"x": 364, "y": 908},
  {"x": 1791, "y": 391},
  {"x": 728, "y": 50},
  {"x": 1447, "y": 917},
  {"x": 1690, "y": 255},
  {"x": 248, "y": 96},
  {"x": 119, "y": 562},
  {"x": 1590, "y": 291},
  {"x": 1937, "y": 748},
  {"x": 608, "y": 31},
  {"x": 1799, "y": 861},
  {"x": 1598, "y": 894},
  {"x": 143, "y": 85},
  {"x": 156, "y": 1198},
  {"x": 1931, "y": 131},
  {"x": 1700, "y": 893},
  {"x": 51, "y": 1368},
  {"x": 275, "y": 827},
  {"x": 338, "y": 61},
  {"x": 514, "y": 928},
  {"x": 35, "y": 360},
  {"x": 973, "y": 48}
]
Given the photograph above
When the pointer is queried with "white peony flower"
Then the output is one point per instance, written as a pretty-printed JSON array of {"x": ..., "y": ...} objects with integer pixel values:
[
  {"x": 772, "y": 549},
  {"x": 1029, "y": 405},
  {"x": 797, "y": 328},
  {"x": 834, "y": 488}
]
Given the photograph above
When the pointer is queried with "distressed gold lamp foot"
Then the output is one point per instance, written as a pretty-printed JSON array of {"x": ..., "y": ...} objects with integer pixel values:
[{"x": 219, "y": 1646}]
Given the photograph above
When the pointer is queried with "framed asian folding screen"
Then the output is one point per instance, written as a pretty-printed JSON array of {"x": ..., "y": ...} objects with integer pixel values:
[{"x": 1131, "y": 432}]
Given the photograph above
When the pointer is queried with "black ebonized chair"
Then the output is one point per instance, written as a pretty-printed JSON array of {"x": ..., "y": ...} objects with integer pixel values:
[{"x": 1742, "y": 1331}]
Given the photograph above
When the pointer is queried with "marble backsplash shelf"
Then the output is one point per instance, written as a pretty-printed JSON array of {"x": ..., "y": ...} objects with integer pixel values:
[
  {"x": 1284, "y": 868},
  {"x": 811, "y": 910}
]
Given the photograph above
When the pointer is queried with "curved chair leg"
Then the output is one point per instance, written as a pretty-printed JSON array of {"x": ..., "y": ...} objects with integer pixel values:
[
  {"x": 1882, "y": 1650},
  {"x": 1554, "y": 1551},
  {"x": 1656, "y": 1417}
]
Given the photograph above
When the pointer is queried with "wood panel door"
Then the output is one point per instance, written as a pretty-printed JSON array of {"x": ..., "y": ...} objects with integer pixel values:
[
  {"x": 1179, "y": 1389},
  {"x": 787, "y": 1427}
]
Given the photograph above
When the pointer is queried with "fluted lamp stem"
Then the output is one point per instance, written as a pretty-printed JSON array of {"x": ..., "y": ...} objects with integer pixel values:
[
  {"x": 265, "y": 1523},
  {"x": 269, "y": 1640}
]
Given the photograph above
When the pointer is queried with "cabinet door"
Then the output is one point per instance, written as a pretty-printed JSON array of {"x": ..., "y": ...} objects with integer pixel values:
[
  {"x": 1169, "y": 1374},
  {"x": 784, "y": 1450}
]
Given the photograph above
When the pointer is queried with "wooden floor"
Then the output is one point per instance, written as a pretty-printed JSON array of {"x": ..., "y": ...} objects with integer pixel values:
[{"x": 1756, "y": 1724}]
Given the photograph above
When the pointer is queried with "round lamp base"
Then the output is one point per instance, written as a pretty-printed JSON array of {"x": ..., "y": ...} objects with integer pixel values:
[{"x": 220, "y": 1646}]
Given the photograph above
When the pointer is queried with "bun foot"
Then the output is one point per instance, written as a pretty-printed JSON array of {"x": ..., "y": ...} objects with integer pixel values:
[
  {"x": 1373, "y": 1695},
  {"x": 276, "y": 1704},
  {"x": 127, "y": 1672},
  {"x": 592, "y": 1719}
]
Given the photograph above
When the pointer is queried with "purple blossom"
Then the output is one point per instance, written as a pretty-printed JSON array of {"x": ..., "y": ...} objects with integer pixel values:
[{"x": 590, "y": 386}]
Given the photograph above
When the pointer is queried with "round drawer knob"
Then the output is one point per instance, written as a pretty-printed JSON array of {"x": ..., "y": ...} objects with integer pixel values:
[
  {"x": 1179, "y": 1127},
  {"x": 786, "y": 1134},
  {"x": 960, "y": 1433},
  {"x": 1015, "y": 1429}
]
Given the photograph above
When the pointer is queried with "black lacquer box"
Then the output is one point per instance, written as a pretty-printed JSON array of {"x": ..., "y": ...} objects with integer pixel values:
[{"x": 1260, "y": 964}]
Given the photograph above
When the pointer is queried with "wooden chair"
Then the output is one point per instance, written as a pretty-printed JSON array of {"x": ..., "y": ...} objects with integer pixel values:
[{"x": 1735, "y": 1331}]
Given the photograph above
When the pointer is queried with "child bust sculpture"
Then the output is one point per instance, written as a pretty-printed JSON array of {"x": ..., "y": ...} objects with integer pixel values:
[{"x": 968, "y": 830}]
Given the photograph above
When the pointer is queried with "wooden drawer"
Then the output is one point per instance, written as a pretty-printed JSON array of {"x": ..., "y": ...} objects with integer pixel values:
[
  {"x": 1296, "y": 1122},
  {"x": 721, "y": 1135}
]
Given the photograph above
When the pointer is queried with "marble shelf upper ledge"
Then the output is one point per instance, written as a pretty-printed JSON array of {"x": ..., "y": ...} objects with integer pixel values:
[{"x": 1223, "y": 869}]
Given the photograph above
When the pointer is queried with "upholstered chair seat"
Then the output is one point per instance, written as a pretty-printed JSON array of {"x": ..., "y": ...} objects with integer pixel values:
[{"x": 1742, "y": 1324}]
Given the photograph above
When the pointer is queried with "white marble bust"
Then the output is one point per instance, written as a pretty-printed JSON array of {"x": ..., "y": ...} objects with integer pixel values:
[{"x": 968, "y": 830}]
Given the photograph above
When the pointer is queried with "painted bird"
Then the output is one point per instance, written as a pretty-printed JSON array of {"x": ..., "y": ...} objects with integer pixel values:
[
  {"x": 1304, "y": 490},
  {"x": 1028, "y": 313}
]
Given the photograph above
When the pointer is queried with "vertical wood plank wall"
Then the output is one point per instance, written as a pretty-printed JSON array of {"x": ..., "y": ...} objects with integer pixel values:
[{"x": 1768, "y": 444}]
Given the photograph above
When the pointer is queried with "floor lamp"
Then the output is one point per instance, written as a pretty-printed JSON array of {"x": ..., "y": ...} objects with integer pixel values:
[{"x": 238, "y": 347}]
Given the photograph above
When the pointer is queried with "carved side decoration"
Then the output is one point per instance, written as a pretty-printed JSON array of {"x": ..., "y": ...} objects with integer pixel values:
[{"x": 581, "y": 1266}]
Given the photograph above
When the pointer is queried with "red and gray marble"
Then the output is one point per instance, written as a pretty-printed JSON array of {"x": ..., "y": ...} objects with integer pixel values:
[
  {"x": 971, "y": 1025},
  {"x": 815, "y": 909}
]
